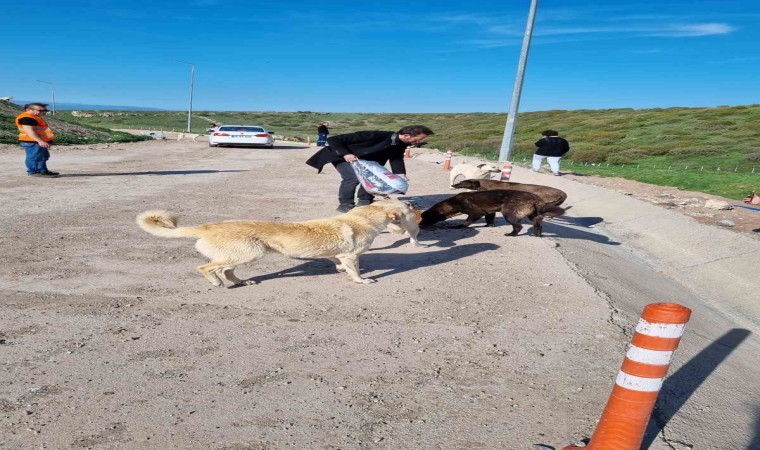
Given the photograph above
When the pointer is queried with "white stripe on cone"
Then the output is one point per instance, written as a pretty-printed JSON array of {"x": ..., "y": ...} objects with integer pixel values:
[
  {"x": 653, "y": 357},
  {"x": 640, "y": 384},
  {"x": 663, "y": 330}
]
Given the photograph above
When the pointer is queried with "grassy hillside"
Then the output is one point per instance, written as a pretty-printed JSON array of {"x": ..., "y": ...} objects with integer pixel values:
[
  {"x": 682, "y": 147},
  {"x": 65, "y": 131}
]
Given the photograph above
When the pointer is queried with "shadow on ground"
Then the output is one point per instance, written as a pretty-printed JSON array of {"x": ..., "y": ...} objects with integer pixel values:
[
  {"x": 678, "y": 387},
  {"x": 387, "y": 263},
  {"x": 157, "y": 172}
]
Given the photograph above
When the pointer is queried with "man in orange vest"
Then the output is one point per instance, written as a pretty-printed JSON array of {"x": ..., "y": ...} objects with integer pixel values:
[{"x": 35, "y": 136}]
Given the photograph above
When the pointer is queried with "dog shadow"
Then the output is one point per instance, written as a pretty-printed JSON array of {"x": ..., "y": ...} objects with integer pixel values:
[
  {"x": 560, "y": 229},
  {"x": 586, "y": 222},
  {"x": 388, "y": 263},
  {"x": 156, "y": 172},
  {"x": 447, "y": 233},
  {"x": 426, "y": 201}
]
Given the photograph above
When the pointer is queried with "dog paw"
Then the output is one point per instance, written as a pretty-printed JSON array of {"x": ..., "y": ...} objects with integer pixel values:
[
  {"x": 340, "y": 268},
  {"x": 366, "y": 281}
]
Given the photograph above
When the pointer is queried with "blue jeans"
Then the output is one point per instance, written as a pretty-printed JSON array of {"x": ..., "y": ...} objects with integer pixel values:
[
  {"x": 321, "y": 139},
  {"x": 36, "y": 157}
]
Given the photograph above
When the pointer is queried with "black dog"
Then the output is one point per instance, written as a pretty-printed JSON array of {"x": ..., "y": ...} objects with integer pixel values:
[
  {"x": 514, "y": 205},
  {"x": 550, "y": 195}
]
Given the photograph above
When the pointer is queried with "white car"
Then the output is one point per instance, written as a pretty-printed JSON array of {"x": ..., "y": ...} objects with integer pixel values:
[{"x": 240, "y": 135}]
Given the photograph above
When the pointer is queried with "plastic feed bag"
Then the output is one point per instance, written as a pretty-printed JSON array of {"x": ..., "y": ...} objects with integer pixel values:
[{"x": 376, "y": 179}]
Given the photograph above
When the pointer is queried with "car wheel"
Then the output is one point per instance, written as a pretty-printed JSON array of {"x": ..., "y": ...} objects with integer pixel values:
[{"x": 212, "y": 145}]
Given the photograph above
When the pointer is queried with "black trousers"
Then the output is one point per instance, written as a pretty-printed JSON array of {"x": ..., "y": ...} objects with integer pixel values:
[{"x": 349, "y": 182}]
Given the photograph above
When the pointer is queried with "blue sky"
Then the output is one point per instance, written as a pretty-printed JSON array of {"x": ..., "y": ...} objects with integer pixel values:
[{"x": 382, "y": 56}]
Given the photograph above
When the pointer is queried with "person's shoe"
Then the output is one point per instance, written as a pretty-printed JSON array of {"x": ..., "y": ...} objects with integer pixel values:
[
  {"x": 43, "y": 175},
  {"x": 556, "y": 174},
  {"x": 50, "y": 172},
  {"x": 363, "y": 203},
  {"x": 345, "y": 207}
]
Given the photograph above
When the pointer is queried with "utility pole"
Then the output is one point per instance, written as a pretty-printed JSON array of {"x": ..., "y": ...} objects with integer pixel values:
[
  {"x": 509, "y": 130},
  {"x": 52, "y": 86},
  {"x": 192, "y": 79}
]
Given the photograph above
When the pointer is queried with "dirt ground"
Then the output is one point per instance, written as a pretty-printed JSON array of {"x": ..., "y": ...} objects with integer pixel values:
[{"x": 110, "y": 339}]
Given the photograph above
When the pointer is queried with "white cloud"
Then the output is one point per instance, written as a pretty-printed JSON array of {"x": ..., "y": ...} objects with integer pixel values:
[{"x": 693, "y": 30}]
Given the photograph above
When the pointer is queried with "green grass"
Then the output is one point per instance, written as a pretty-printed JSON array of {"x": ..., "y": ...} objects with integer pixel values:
[
  {"x": 66, "y": 133},
  {"x": 725, "y": 137},
  {"x": 724, "y": 183}
]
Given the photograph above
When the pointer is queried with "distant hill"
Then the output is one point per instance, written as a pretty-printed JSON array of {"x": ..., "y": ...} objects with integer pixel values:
[
  {"x": 66, "y": 132},
  {"x": 88, "y": 107}
]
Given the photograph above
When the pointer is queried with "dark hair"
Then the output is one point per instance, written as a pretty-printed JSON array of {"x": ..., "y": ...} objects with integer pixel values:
[
  {"x": 39, "y": 105},
  {"x": 416, "y": 130},
  {"x": 549, "y": 133}
]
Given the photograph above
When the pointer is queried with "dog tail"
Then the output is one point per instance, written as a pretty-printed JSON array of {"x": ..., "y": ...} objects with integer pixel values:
[
  {"x": 551, "y": 211},
  {"x": 163, "y": 224}
]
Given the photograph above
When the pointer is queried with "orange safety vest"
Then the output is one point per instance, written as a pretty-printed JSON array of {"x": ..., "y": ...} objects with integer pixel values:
[{"x": 41, "y": 129}]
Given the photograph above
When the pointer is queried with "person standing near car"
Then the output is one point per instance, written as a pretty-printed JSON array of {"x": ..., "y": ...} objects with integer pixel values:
[
  {"x": 322, "y": 132},
  {"x": 35, "y": 136},
  {"x": 552, "y": 147},
  {"x": 378, "y": 146}
]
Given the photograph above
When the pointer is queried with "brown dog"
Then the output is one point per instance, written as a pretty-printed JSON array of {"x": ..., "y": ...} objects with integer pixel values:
[
  {"x": 550, "y": 195},
  {"x": 341, "y": 238},
  {"x": 514, "y": 205}
]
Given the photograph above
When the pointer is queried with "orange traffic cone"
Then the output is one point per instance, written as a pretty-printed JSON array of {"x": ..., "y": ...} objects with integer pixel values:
[
  {"x": 447, "y": 161},
  {"x": 624, "y": 419},
  {"x": 506, "y": 171}
]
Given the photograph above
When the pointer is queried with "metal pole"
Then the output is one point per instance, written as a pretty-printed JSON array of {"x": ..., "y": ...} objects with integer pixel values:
[
  {"x": 190, "y": 109},
  {"x": 509, "y": 130},
  {"x": 192, "y": 79},
  {"x": 52, "y": 87}
]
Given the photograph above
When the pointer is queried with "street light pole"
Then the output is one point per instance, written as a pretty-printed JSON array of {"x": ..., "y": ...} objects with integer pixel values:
[
  {"x": 192, "y": 80},
  {"x": 53, "y": 93},
  {"x": 509, "y": 130}
]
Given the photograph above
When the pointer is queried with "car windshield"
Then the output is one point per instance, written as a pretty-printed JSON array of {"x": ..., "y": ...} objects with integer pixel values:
[{"x": 247, "y": 129}]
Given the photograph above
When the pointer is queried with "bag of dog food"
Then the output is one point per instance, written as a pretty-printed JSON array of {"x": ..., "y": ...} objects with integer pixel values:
[{"x": 376, "y": 179}]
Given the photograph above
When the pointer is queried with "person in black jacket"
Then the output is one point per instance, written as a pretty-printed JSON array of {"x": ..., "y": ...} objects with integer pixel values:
[
  {"x": 552, "y": 147},
  {"x": 378, "y": 146},
  {"x": 322, "y": 132}
]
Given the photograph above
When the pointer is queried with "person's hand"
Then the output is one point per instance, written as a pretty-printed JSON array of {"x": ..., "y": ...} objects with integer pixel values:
[
  {"x": 350, "y": 158},
  {"x": 44, "y": 144}
]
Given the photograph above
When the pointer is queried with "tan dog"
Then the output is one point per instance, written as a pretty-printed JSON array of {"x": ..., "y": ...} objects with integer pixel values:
[
  {"x": 470, "y": 172},
  {"x": 341, "y": 238}
]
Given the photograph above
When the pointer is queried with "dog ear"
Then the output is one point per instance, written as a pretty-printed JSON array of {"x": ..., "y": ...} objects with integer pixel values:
[
  {"x": 394, "y": 217},
  {"x": 480, "y": 166}
]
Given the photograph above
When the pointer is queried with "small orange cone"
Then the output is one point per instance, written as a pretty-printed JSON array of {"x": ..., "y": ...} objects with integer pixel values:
[
  {"x": 447, "y": 161},
  {"x": 506, "y": 171},
  {"x": 624, "y": 419},
  {"x": 308, "y": 140},
  {"x": 752, "y": 199}
]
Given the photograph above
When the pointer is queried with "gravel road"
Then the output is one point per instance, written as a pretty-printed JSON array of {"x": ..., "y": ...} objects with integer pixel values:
[{"x": 110, "y": 339}]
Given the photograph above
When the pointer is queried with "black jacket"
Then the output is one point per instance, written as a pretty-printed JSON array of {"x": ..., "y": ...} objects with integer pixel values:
[
  {"x": 552, "y": 146},
  {"x": 322, "y": 129},
  {"x": 379, "y": 146}
]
